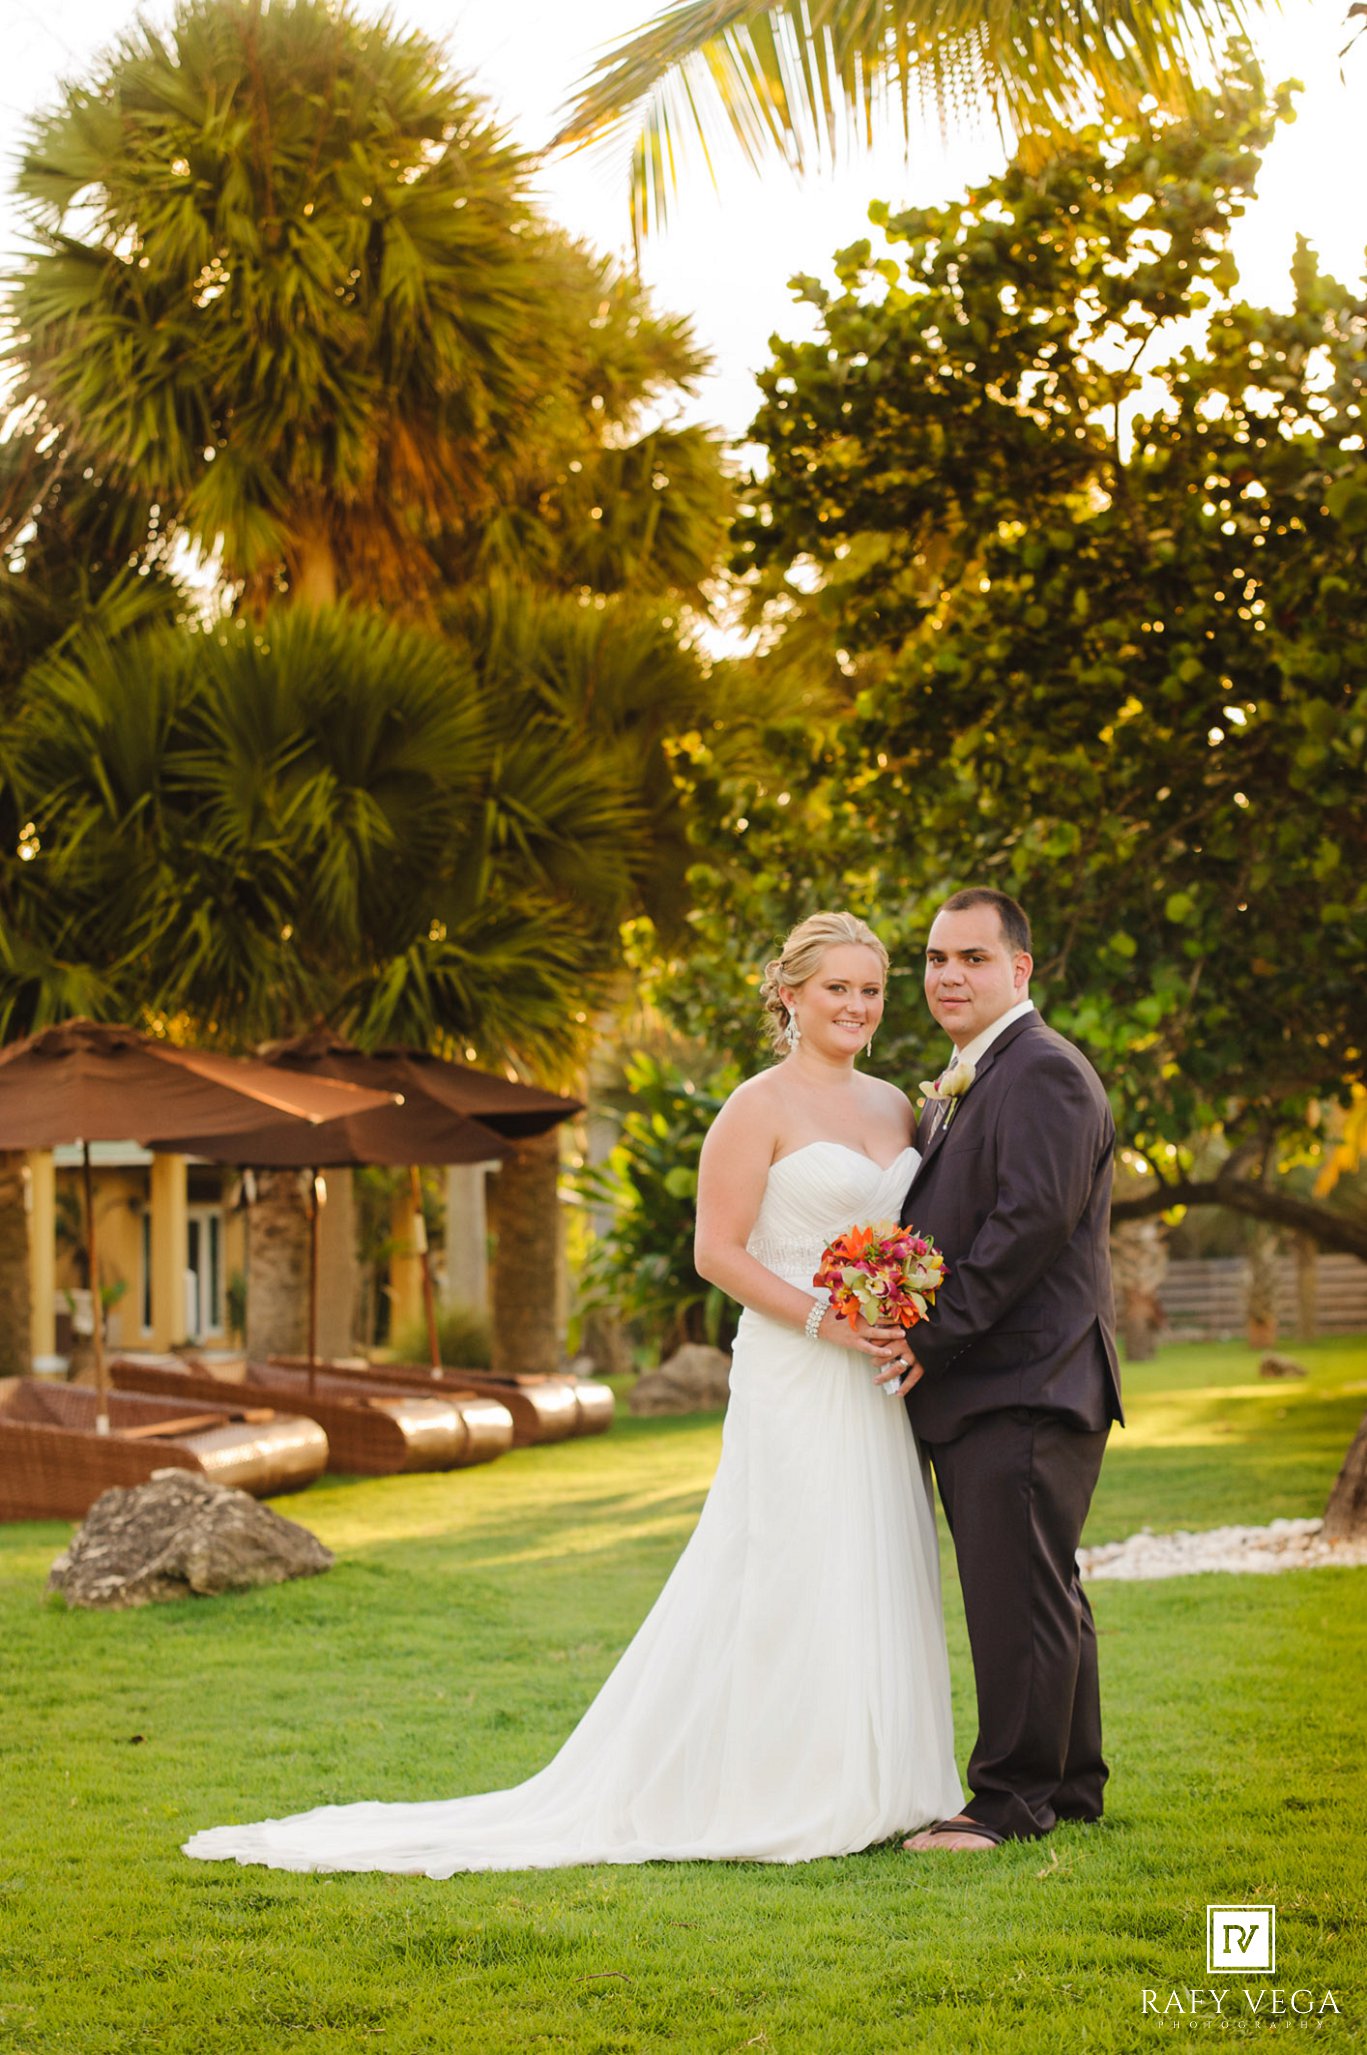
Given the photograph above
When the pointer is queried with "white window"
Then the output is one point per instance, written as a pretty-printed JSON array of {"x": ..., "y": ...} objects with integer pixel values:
[{"x": 204, "y": 1273}]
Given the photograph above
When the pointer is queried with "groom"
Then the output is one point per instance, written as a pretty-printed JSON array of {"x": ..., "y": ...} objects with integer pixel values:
[{"x": 1014, "y": 1380}]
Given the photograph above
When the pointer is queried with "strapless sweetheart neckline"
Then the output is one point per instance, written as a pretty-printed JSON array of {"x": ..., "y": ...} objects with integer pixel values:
[{"x": 849, "y": 1150}]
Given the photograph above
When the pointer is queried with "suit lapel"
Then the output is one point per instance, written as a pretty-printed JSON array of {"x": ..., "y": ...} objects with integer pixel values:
[{"x": 938, "y": 1125}]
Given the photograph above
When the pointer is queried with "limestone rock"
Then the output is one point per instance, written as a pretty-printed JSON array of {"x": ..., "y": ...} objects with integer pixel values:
[
  {"x": 1281, "y": 1366},
  {"x": 180, "y": 1536},
  {"x": 696, "y": 1379}
]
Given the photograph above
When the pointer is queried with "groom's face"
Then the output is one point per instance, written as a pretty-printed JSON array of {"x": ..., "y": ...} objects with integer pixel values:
[{"x": 972, "y": 975}]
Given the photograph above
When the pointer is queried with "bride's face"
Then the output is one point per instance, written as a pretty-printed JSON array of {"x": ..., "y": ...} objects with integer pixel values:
[{"x": 842, "y": 1001}]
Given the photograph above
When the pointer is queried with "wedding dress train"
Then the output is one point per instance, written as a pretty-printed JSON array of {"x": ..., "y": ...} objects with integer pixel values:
[{"x": 787, "y": 1696}]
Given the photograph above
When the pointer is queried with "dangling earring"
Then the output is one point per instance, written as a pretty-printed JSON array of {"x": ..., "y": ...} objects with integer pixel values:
[
  {"x": 792, "y": 1033},
  {"x": 868, "y": 1046}
]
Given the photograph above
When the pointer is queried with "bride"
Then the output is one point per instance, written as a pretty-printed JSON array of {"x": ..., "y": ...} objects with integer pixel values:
[{"x": 788, "y": 1694}]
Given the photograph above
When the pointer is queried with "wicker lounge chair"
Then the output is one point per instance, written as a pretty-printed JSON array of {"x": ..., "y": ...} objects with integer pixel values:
[
  {"x": 372, "y": 1432},
  {"x": 547, "y": 1407},
  {"x": 53, "y": 1465},
  {"x": 562, "y": 1406}
]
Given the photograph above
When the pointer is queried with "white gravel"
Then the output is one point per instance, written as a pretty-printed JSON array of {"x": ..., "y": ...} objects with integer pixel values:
[{"x": 1285, "y": 1545}]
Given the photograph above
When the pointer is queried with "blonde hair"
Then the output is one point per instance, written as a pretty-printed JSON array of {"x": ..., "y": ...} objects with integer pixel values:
[{"x": 800, "y": 958}]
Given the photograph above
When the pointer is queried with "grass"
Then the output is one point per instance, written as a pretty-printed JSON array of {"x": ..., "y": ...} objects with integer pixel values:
[{"x": 469, "y": 1618}]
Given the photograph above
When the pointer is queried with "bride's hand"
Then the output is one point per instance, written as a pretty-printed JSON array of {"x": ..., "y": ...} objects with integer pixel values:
[{"x": 884, "y": 1344}]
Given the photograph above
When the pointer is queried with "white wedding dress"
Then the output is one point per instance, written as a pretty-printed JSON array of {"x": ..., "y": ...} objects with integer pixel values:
[{"x": 788, "y": 1694}]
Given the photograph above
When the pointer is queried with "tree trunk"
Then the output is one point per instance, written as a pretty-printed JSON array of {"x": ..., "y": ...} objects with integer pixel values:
[
  {"x": 1139, "y": 1261},
  {"x": 15, "y": 1303},
  {"x": 524, "y": 1211},
  {"x": 1260, "y": 1306},
  {"x": 277, "y": 1266},
  {"x": 313, "y": 571},
  {"x": 1345, "y": 1516},
  {"x": 606, "y": 1341}
]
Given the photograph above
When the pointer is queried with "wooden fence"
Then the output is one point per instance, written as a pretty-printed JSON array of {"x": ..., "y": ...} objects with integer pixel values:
[{"x": 1205, "y": 1299}]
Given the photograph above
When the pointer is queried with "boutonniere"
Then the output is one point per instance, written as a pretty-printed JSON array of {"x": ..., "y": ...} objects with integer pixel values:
[{"x": 949, "y": 1087}]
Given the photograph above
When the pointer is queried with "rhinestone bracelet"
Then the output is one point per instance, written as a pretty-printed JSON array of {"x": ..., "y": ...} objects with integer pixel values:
[{"x": 815, "y": 1316}]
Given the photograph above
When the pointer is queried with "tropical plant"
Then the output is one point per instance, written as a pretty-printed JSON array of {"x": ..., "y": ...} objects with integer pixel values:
[
  {"x": 801, "y": 79},
  {"x": 597, "y": 492},
  {"x": 79, "y": 557},
  {"x": 642, "y": 1267},
  {"x": 316, "y": 814},
  {"x": 463, "y": 1337}
]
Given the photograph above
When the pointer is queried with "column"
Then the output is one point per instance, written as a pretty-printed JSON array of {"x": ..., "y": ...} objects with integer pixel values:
[
  {"x": 43, "y": 1257},
  {"x": 170, "y": 1240},
  {"x": 337, "y": 1270}
]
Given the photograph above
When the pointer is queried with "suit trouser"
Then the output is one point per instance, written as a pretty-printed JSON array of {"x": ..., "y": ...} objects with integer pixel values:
[{"x": 1016, "y": 1485}]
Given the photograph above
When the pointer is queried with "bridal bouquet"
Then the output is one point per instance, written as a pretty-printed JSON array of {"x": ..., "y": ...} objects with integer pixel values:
[{"x": 888, "y": 1273}]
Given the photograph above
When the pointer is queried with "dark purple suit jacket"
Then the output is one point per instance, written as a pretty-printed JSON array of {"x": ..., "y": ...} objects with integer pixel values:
[{"x": 1016, "y": 1190}]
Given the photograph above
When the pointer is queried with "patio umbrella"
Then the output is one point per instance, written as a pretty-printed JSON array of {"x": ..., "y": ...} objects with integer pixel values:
[
  {"x": 450, "y": 1113},
  {"x": 411, "y": 1130},
  {"x": 504, "y": 1104},
  {"x": 87, "y": 1081}
]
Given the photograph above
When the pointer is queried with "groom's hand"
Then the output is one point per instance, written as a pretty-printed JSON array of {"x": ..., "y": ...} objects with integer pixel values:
[{"x": 903, "y": 1368}]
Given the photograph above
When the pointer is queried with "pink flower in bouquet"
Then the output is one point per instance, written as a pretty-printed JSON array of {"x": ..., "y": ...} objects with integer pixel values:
[{"x": 886, "y": 1272}]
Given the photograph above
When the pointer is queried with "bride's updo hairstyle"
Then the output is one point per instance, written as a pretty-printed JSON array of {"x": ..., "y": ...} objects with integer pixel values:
[{"x": 801, "y": 959}]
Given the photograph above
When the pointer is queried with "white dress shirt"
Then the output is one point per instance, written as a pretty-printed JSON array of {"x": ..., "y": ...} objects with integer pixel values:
[{"x": 974, "y": 1051}]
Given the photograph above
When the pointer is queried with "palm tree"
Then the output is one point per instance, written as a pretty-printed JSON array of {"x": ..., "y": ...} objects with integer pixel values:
[
  {"x": 285, "y": 284},
  {"x": 800, "y": 79},
  {"x": 323, "y": 814},
  {"x": 288, "y": 289}
]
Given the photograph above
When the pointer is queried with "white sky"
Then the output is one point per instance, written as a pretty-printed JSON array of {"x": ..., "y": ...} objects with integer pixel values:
[{"x": 726, "y": 261}]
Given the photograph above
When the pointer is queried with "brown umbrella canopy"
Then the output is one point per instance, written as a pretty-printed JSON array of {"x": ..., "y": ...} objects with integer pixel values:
[
  {"x": 449, "y": 1114},
  {"x": 504, "y": 1105},
  {"x": 416, "y": 1131},
  {"x": 85, "y": 1081}
]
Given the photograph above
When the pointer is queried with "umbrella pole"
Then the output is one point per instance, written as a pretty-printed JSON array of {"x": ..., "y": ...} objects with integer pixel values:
[
  {"x": 313, "y": 1281},
  {"x": 93, "y": 1266},
  {"x": 429, "y": 1303}
]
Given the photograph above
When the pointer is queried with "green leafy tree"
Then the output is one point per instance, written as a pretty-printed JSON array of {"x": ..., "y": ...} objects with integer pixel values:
[
  {"x": 800, "y": 79},
  {"x": 1082, "y": 570}
]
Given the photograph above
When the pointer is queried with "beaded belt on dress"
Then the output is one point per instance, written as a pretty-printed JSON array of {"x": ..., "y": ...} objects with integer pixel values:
[{"x": 793, "y": 1258}]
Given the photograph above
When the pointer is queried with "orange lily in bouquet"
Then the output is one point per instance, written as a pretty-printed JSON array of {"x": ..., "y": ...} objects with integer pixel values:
[{"x": 888, "y": 1273}]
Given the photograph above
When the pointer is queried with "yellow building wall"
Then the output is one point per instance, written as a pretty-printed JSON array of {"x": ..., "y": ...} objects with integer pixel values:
[
  {"x": 120, "y": 1198},
  {"x": 123, "y": 1197}
]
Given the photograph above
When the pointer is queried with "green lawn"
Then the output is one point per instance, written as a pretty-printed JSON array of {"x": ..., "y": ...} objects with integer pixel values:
[{"x": 467, "y": 1621}]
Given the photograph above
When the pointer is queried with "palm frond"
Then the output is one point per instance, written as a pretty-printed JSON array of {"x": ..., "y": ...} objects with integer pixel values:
[{"x": 802, "y": 79}]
